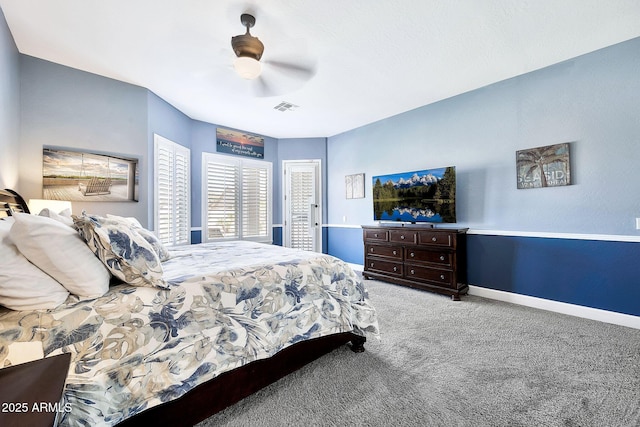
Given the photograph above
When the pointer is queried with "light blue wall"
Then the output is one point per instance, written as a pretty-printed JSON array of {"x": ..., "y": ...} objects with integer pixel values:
[
  {"x": 165, "y": 120},
  {"x": 68, "y": 108},
  {"x": 591, "y": 101},
  {"x": 9, "y": 107},
  {"x": 203, "y": 140},
  {"x": 300, "y": 149}
]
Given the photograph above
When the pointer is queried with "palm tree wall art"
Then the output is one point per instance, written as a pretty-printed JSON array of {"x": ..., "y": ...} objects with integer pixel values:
[{"x": 547, "y": 166}]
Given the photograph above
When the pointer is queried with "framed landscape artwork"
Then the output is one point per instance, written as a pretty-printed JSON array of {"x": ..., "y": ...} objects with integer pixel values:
[
  {"x": 547, "y": 166},
  {"x": 88, "y": 177}
]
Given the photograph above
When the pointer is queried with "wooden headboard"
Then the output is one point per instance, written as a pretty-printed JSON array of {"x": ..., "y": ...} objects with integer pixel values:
[{"x": 10, "y": 202}]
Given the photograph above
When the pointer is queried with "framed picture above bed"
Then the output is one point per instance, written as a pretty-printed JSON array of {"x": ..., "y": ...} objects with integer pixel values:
[{"x": 77, "y": 175}]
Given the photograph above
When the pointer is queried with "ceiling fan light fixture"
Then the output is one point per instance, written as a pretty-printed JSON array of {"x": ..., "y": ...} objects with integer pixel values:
[
  {"x": 247, "y": 67},
  {"x": 248, "y": 50}
]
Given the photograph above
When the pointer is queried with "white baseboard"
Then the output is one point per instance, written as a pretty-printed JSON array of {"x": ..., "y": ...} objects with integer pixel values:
[
  {"x": 558, "y": 307},
  {"x": 549, "y": 305}
]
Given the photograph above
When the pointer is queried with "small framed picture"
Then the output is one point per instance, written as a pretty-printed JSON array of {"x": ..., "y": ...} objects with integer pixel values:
[
  {"x": 354, "y": 186},
  {"x": 547, "y": 166}
]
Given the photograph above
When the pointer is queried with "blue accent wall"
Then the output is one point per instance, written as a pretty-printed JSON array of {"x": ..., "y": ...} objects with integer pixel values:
[
  {"x": 590, "y": 273},
  {"x": 277, "y": 236},
  {"x": 346, "y": 244}
]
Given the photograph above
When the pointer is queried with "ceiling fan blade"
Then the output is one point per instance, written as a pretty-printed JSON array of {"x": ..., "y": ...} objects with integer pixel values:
[
  {"x": 262, "y": 88},
  {"x": 300, "y": 71}
]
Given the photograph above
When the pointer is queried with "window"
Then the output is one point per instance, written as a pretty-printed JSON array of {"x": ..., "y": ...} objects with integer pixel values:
[
  {"x": 172, "y": 177},
  {"x": 236, "y": 198}
]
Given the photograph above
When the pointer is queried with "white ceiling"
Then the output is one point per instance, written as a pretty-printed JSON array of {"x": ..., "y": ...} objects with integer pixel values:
[{"x": 373, "y": 59}]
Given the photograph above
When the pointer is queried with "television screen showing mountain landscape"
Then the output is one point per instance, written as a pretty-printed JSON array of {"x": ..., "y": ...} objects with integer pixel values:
[{"x": 421, "y": 196}]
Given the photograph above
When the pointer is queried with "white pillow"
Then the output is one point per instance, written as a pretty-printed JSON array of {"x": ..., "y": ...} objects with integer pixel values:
[
  {"x": 60, "y": 252},
  {"x": 23, "y": 286},
  {"x": 63, "y": 217}
]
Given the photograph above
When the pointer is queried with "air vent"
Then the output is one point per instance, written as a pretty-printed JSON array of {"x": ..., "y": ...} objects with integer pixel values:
[{"x": 285, "y": 106}]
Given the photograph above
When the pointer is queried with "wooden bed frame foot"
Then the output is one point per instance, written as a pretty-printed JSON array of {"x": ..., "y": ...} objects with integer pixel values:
[{"x": 357, "y": 344}]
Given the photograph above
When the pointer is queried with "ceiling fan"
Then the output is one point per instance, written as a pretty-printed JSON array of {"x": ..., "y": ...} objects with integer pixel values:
[{"x": 249, "y": 49}]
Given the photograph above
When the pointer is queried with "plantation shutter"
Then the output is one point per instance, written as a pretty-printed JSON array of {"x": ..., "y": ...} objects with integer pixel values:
[
  {"x": 255, "y": 201},
  {"x": 182, "y": 200},
  {"x": 172, "y": 192},
  {"x": 302, "y": 210},
  {"x": 237, "y": 198},
  {"x": 302, "y": 194},
  {"x": 222, "y": 195}
]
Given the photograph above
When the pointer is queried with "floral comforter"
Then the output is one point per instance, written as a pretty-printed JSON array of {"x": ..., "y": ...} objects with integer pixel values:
[{"x": 228, "y": 304}]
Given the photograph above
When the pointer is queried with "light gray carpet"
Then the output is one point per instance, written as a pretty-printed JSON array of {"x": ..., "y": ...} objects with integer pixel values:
[{"x": 476, "y": 362}]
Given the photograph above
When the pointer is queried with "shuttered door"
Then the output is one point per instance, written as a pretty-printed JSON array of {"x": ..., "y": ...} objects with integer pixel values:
[
  {"x": 302, "y": 211},
  {"x": 301, "y": 199}
]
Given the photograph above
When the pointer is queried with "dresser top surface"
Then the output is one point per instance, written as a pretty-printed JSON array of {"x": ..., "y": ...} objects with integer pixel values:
[{"x": 414, "y": 227}]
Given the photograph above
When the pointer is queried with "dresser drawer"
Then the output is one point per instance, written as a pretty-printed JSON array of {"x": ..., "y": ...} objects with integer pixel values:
[
  {"x": 436, "y": 257},
  {"x": 377, "y": 235},
  {"x": 432, "y": 275},
  {"x": 384, "y": 251},
  {"x": 387, "y": 267},
  {"x": 435, "y": 238},
  {"x": 402, "y": 236},
  {"x": 419, "y": 256}
]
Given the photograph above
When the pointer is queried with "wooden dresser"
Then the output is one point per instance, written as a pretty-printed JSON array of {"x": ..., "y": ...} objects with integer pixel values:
[{"x": 432, "y": 259}]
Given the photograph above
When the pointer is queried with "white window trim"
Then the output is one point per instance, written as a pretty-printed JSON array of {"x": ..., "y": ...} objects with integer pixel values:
[{"x": 240, "y": 163}]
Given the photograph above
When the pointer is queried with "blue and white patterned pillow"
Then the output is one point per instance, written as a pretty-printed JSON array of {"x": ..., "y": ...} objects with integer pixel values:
[
  {"x": 126, "y": 254},
  {"x": 156, "y": 244}
]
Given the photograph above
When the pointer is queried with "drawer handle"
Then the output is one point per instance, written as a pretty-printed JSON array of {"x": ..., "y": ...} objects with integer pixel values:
[
  {"x": 371, "y": 250},
  {"x": 442, "y": 276},
  {"x": 413, "y": 271},
  {"x": 412, "y": 255},
  {"x": 402, "y": 237},
  {"x": 395, "y": 252},
  {"x": 441, "y": 257},
  {"x": 434, "y": 239},
  {"x": 375, "y": 235},
  {"x": 395, "y": 269},
  {"x": 371, "y": 265}
]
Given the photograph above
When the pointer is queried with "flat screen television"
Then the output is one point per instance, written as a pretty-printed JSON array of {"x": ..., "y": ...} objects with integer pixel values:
[{"x": 420, "y": 196}]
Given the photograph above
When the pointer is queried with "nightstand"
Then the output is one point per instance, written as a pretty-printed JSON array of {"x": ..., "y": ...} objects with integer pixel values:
[{"x": 30, "y": 393}]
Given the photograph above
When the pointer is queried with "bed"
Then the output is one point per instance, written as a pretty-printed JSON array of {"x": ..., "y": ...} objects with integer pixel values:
[{"x": 206, "y": 327}]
